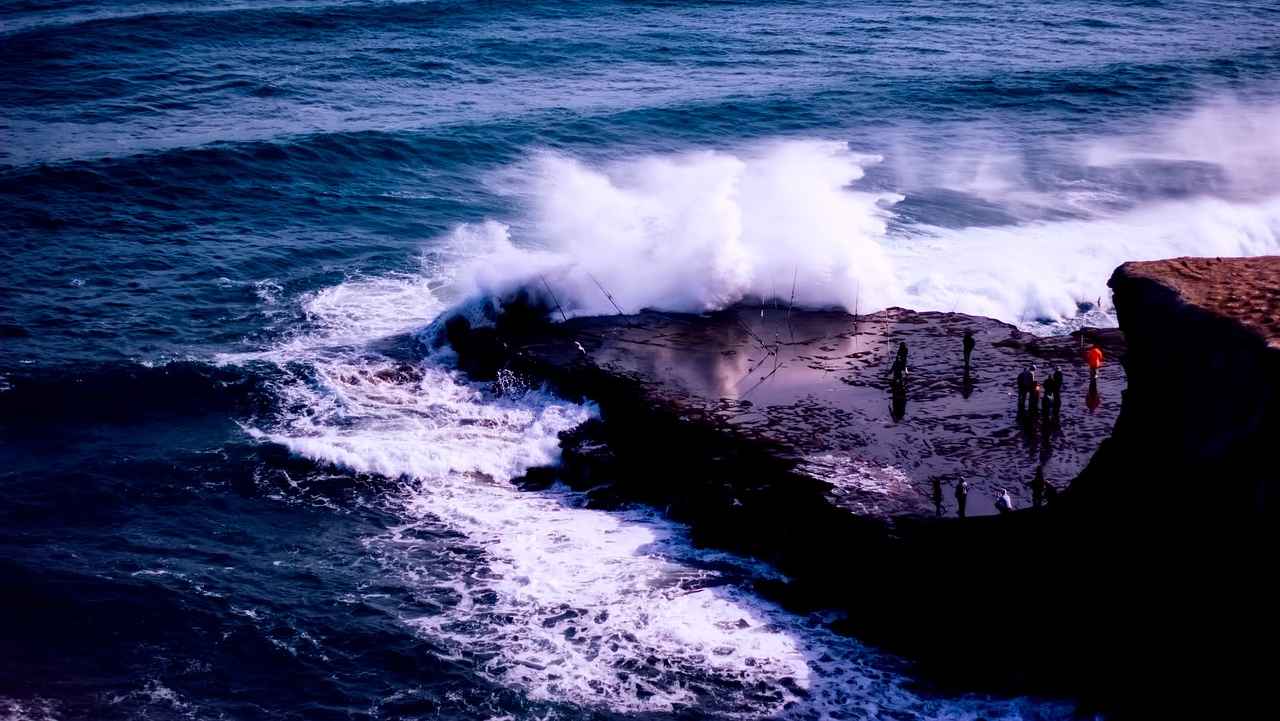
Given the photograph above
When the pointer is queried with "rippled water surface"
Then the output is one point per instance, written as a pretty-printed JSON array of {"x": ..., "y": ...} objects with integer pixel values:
[{"x": 238, "y": 484}]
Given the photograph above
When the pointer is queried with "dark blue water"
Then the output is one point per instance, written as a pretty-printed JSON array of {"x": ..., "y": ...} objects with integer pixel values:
[{"x": 238, "y": 484}]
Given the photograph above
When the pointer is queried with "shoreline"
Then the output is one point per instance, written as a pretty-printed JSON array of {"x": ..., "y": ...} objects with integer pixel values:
[{"x": 1041, "y": 600}]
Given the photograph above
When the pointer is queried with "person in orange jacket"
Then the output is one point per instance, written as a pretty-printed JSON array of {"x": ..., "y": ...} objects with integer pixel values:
[{"x": 1093, "y": 357}]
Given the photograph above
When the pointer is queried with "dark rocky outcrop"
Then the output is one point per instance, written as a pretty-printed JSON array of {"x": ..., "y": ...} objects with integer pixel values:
[
  {"x": 778, "y": 435},
  {"x": 1204, "y": 356},
  {"x": 1180, "y": 503}
]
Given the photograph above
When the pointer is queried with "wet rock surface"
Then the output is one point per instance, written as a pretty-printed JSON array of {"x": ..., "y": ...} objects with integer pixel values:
[
  {"x": 780, "y": 437},
  {"x": 814, "y": 391}
]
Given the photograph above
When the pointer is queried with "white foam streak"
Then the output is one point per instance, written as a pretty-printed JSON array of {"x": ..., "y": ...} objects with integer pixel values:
[
  {"x": 361, "y": 416},
  {"x": 352, "y": 314}
]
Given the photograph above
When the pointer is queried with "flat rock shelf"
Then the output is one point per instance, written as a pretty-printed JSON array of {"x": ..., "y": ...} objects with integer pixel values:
[{"x": 812, "y": 391}]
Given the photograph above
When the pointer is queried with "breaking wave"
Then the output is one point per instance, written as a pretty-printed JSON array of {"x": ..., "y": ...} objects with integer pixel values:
[{"x": 804, "y": 221}]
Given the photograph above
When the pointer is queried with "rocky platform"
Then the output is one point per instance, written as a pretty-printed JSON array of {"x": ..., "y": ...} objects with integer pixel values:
[
  {"x": 1141, "y": 590},
  {"x": 812, "y": 389}
]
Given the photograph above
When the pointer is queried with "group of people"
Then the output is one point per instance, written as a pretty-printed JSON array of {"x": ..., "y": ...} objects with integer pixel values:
[
  {"x": 1042, "y": 493},
  {"x": 1034, "y": 397},
  {"x": 1044, "y": 396}
]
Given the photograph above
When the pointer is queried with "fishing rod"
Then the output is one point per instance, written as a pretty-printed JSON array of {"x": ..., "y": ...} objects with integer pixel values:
[
  {"x": 607, "y": 294},
  {"x": 553, "y": 297},
  {"x": 759, "y": 341}
]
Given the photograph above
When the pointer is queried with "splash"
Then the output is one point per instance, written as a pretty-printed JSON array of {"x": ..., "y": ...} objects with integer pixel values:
[
  {"x": 1044, "y": 271},
  {"x": 799, "y": 221},
  {"x": 699, "y": 231}
]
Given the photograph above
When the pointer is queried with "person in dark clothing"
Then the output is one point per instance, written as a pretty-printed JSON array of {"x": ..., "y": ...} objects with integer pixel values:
[
  {"x": 899, "y": 368},
  {"x": 1046, "y": 400},
  {"x": 1038, "y": 487},
  {"x": 898, "y": 371},
  {"x": 1058, "y": 382},
  {"x": 962, "y": 496},
  {"x": 937, "y": 496},
  {"x": 1033, "y": 397},
  {"x": 969, "y": 343},
  {"x": 1026, "y": 379}
]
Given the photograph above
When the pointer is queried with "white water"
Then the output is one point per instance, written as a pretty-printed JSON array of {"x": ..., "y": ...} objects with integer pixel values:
[
  {"x": 698, "y": 231},
  {"x": 617, "y": 611},
  {"x": 612, "y": 611}
]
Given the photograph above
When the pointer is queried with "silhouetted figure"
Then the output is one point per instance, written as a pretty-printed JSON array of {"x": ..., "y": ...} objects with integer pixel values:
[
  {"x": 1037, "y": 487},
  {"x": 1093, "y": 357},
  {"x": 962, "y": 496},
  {"x": 899, "y": 368},
  {"x": 898, "y": 373},
  {"x": 1093, "y": 399},
  {"x": 937, "y": 496},
  {"x": 969, "y": 343},
  {"x": 1033, "y": 398},
  {"x": 1046, "y": 402},
  {"x": 1004, "y": 503},
  {"x": 1057, "y": 381},
  {"x": 1026, "y": 379}
]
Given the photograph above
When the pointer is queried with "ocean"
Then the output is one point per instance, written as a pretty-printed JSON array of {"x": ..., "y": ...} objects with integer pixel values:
[{"x": 237, "y": 481}]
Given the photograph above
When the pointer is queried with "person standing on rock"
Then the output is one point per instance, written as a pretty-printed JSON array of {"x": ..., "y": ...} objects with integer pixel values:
[
  {"x": 1094, "y": 358},
  {"x": 1058, "y": 381},
  {"x": 1033, "y": 396},
  {"x": 962, "y": 496},
  {"x": 1004, "y": 503},
  {"x": 1038, "y": 487},
  {"x": 969, "y": 343},
  {"x": 1026, "y": 379},
  {"x": 899, "y": 368}
]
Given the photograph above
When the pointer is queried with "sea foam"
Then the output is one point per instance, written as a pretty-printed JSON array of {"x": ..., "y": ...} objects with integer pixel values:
[
  {"x": 611, "y": 611},
  {"x": 798, "y": 221}
]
